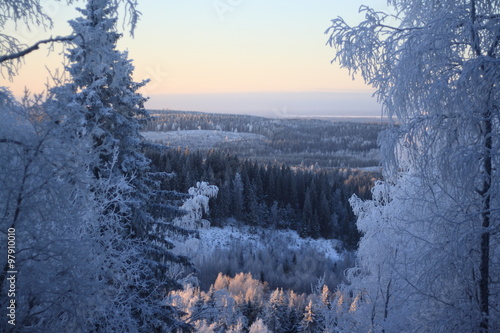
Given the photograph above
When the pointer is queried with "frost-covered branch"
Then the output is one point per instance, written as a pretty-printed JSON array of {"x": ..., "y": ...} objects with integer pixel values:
[
  {"x": 31, "y": 14},
  {"x": 438, "y": 73},
  {"x": 13, "y": 141},
  {"x": 34, "y": 47}
]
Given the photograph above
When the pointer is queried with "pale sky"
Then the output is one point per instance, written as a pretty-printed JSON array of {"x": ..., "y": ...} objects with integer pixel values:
[{"x": 244, "y": 56}]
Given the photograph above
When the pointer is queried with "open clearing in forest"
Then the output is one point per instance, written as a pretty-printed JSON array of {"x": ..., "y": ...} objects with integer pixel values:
[{"x": 203, "y": 139}]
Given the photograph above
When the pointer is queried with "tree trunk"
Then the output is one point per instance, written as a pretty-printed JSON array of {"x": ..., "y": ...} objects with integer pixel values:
[
  {"x": 487, "y": 131},
  {"x": 484, "y": 268}
]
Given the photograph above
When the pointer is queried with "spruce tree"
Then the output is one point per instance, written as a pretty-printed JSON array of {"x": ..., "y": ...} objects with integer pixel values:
[
  {"x": 104, "y": 99},
  {"x": 308, "y": 323},
  {"x": 275, "y": 311}
]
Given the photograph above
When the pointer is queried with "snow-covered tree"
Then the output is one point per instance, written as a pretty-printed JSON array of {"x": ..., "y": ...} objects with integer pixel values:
[
  {"x": 104, "y": 100},
  {"x": 238, "y": 327},
  {"x": 259, "y": 326},
  {"x": 103, "y": 88},
  {"x": 428, "y": 260},
  {"x": 197, "y": 205},
  {"x": 309, "y": 323},
  {"x": 39, "y": 170},
  {"x": 325, "y": 317},
  {"x": 75, "y": 187},
  {"x": 237, "y": 195},
  {"x": 71, "y": 261},
  {"x": 276, "y": 311},
  {"x": 33, "y": 14}
]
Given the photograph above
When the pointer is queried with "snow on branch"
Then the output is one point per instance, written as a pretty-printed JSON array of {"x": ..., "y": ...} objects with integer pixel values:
[
  {"x": 34, "y": 47},
  {"x": 197, "y": 205}
]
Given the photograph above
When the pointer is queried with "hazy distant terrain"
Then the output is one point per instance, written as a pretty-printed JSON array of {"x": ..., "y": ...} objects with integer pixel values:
[
  {"x": 276, "y": 104},
  {"x": 296, "y": 142}
]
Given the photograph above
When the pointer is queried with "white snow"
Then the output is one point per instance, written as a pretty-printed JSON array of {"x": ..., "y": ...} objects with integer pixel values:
[
  {"x": 213, "y": 238},
  {"x": 199, "y": 139}
]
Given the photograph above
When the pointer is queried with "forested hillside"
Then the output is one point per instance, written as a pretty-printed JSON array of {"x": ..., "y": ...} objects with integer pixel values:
[
  {"x": 312, "y": 202},
  {"x": 292, "y": 141}
]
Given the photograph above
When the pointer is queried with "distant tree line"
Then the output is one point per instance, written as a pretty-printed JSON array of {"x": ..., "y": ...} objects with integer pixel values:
[
  {"x": 325, "y": 142},
  {"x": 312, "y": 202}
]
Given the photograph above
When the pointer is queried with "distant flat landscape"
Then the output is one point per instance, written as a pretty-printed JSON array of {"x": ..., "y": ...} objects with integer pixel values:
[{"x": 295, "y": 142}]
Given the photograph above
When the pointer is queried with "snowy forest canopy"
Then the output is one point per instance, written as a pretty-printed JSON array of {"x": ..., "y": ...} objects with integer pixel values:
[
  {"x": 296, "y": 142},
  {"x": 98, "y": 226},
  {"x": 312, "y": 202}
]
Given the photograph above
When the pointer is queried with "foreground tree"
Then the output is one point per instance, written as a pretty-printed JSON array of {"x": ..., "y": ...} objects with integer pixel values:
[
  {"x": 40, "y": 169},
  {"x": 104, "y": 99},
  {"x": 76, "y": 189},
  {"x": 428, "y": 260}
]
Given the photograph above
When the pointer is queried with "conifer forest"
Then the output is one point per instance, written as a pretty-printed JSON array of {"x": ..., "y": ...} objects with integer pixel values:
[{"x": 118, "y": 217}]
